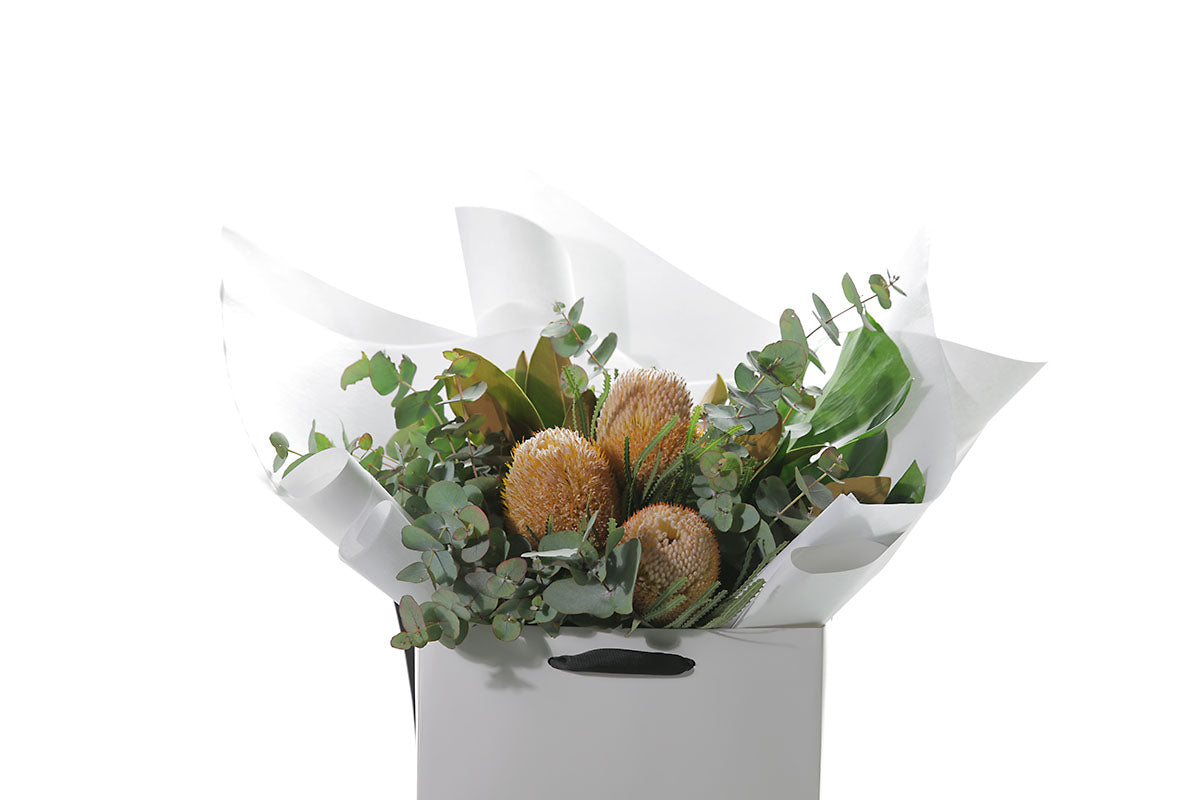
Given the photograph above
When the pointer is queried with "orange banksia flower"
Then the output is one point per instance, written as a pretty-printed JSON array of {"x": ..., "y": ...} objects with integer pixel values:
[
  {"x": 559, "y": 476},
  {"x": 639, "y": 404},
  {"x": 676, "y": 542}
]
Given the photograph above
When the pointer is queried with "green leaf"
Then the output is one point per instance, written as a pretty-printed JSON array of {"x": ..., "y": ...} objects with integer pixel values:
[
  {"x": 790, "y": 327},
  {"x": 574, "y": 380},
  {"x": 510, "y": 399},
  {"x": 296, "y": 463},
  {"x": 825, "y": 319},
  {"x": 818, "y": 494},
  {"x": 865, "y": 455},
  {"x": 470, "y": 394},
  {"x": 384, "y": 377},
  {"x": 280, "y": 443},
  {"x": 521, "y": 370},
  {"x": 512, "y": 570},
  {"x": 356, "y": 371},
  {"x": 506, "y": 627},
  {"x": 542, "y": 384},
  {"x": 463, "y": 363},
  {"x": 910, "y": 488},
  {"x": 373, "y": 459},
  {"x": 441, "y": 564},
  {"x": 556, "y": 329},
  {"x": 602, "y": 352},
  {"x": 573, "y": 342},
  {"x": 870, "y": 376},
  {"x": 317, "y": 441},
  {"x": 592, "y": 597},
  {"x": 413, "y": 573},
  {"x": 784, "y": 360},
  {"x": 407, "y": 371},
  {"x": 576, "y": 311},
  {"x": 879, "y": 286},
  {"x": 416, "y": 471},
  {"x": 415, "y": 538},
  {"x": 438, "y": 614},
  {"x": 446, "y": 497},
  {"x": 411, "y": 617}
]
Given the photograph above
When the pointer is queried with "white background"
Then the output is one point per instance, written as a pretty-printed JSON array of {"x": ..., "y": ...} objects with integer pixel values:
[{"x": 170, "y": 629}]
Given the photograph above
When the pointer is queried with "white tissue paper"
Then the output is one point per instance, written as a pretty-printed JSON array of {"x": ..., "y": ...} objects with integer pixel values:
[{"x": 517, "y": 266}]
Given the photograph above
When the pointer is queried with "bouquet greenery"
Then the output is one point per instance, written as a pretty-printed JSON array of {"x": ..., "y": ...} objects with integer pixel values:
[{"x": 564, "y": 492}]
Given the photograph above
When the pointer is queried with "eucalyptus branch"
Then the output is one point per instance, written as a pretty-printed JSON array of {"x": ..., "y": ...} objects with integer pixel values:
[
  {"x": 591, "y": 356},
  {"x": 470, "y": 445},
  {"x": 862, "y": 301}
]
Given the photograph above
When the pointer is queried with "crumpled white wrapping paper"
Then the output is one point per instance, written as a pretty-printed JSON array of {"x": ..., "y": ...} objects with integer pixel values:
[{"x": 288, "y": 336}]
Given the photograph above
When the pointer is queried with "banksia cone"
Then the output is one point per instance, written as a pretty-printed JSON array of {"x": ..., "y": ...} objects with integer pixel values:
[
  {"x": 639, "y": 404},
  {"x": 676, "y": 542},
  {"x": 559, "y": 476}
]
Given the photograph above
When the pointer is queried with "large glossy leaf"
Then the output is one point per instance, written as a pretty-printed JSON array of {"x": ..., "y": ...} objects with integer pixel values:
[
  {"x": 505, "y": 408},
  {"x": 870, "y": 380},
  {"x": 910, "y": 488},
  {"x": 543, "y": 383},
  {"x": 865, "y": 456}
]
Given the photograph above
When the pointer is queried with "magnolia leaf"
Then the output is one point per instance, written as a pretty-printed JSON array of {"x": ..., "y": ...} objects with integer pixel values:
[
  {"x": 866, "y": 454},
  {"x": 716, "y": 394},
  {"x": 867, "y": 489},
  {"x": 542, "y": 384},
  {"x": 356, "y": 372},
  {"x": 504, "y": 405},
  {"x": 521, "y": 370},
  {"x": 910, "y": 488}
]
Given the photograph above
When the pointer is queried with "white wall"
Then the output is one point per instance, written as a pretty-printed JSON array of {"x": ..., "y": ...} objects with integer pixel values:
[{"x": 172, "y": 630}]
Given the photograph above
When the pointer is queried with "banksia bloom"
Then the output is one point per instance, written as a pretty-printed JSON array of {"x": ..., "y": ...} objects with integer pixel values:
[
  {"x": 559, "y": 476},
  {"x": 676, "y": 542},
  {"x": 639, "y": 404}
]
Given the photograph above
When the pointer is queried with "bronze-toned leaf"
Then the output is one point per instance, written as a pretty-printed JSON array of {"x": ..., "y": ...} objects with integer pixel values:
[
  {"x": 762, "y": 445},
  {"x": 868, "y": 489},
  {"x": 504, "y": 407}
]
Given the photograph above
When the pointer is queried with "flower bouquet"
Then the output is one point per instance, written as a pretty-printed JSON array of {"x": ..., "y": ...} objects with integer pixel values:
[{"x": 606, "y": 544}]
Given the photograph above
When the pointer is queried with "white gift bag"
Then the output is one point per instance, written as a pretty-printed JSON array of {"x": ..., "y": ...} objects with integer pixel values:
[{"x": 512, "y": 721}]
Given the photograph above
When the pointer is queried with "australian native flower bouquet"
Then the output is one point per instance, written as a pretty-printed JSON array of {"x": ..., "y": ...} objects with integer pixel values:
[{"x": 563, "y": 492}]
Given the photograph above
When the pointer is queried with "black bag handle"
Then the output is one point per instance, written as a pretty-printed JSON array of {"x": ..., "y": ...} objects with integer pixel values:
[{"x": 615, "y": 661}]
